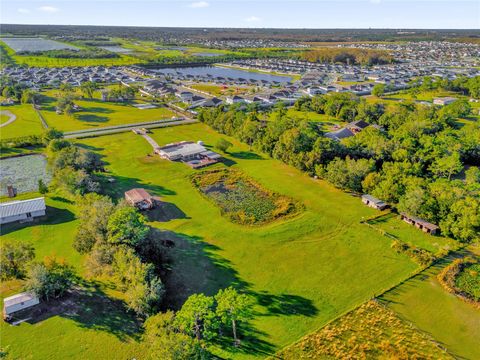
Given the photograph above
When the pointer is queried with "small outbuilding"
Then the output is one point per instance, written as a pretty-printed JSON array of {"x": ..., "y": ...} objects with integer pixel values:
[
  {"x": 140, "y": 198},
  {"x": 22, "y": 210},
  {"x": 373, "y": 202},
  {"x": 444, "y": 100},
  {"x": 18, "y": 302},
  {"x": 423, "y": 225}
]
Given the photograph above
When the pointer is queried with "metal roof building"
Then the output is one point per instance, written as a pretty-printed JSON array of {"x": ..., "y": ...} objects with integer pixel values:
[{"x": 22, "y": 210}]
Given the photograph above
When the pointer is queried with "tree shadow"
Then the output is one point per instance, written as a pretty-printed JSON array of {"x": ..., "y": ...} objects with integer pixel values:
[
  {"x": 53, "y": 216},
  {"x": 92, "y": 118},
  {"x": 164, "y": 212},
  {"x": 90, "y": 308},
  {"x": 285, "y": 304},
  {"x": 115, "y": 186},
  {"x": 61, "y": 199},
  {"x": 246, "y": 155}
]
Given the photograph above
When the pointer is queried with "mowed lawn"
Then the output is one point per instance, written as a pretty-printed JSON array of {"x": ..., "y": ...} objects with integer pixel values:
[
  {"x": 303, "y": 271},
  {"x": 97, "y": 332},
  {"x": 451, "y": 321},
  {"x": 96, "y": 113},
  {"x": 27, "y": 122}
]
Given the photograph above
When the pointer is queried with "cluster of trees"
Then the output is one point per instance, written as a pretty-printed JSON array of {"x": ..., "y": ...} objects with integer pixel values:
[
  {"x": 409, "y": 159},
  {"x": 120, "y": 93},
  {"x": 462, "y": 84},
  {"x": 74, "y": 169},
  {"x": 115, "y": 237},
  {"x": 49, "y": 279},
  {"x": 202, "y": 318},
  {"x": 93, "y": 53},
  {"x": 348, "y": 56}
]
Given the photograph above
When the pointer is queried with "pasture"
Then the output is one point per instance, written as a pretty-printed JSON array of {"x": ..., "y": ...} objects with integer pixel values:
[
  {"x": 27, "y": 122},
  {"x": 451, "y": 321},
  {"x": 303, "y": 271},
  {"x": 95, "y": 113}
]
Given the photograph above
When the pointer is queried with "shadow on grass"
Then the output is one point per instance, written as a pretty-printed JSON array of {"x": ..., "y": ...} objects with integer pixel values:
[
  {"x": 164, "y": 212},
  {"x": 90, "y": 308},
  {"x": 246, "y": 155},
  {"x": 91, "y": 118},
  {"x": 120, "y": 184},
  {"x": 53, "y": 216}
]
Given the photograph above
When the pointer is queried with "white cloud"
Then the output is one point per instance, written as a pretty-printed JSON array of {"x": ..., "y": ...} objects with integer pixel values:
[
  {"x": 375, "y": 1},
  {"x": 23, "y": 11},
  {"x": 199, "y": 4},
  {"x": 253, "y": 19},
  {"x": 49, "y": 9}
]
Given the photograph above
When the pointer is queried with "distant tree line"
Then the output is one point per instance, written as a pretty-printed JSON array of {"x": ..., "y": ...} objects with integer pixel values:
[
  {"x": 348, "y": 56},
  {"x": 409, "y": 159},
  {"x": 93, "y": 53}
]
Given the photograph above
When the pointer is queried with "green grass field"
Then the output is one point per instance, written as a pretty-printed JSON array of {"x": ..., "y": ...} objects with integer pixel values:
[
  {"x": 313, "y": 267},
  {"x": 393, "y": 225},
  {"x": 451, "y": 321},
  {"x": 27, "y": 122},
  {"x": 303, "y": 271},
  {"x": 96, "y": 113}
]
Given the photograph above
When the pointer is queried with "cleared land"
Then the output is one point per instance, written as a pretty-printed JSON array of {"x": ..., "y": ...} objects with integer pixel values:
[
  {"x": 95, "y": 113},
  {"x": 27, "y": 122},
  {"x": 451, "y": 321},
  {"x": 369, "y": 332},
  {"x": 302, "y": 271}
]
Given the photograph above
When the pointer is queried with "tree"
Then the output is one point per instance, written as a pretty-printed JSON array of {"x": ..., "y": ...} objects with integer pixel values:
[
  {"x": 447, "y": 166},
  {"x": 233, "y": 308},
  {"x": 42, "y": 187},
  {"x": 165, "y": 341},
  {"x": 348, "y": 174},
  {"x": 88, "y": 88},
  {"x": 142, "y": 288},
  {"x": 30, "y": 97},
  {"x": 126, "y": 226},
  {"x": 223, "y": 145},
  {"x": 50, "y": 279},
  {"x": 463, "y": 221},
  {"x": 51, "y": 134},
  {"x": 378, "y": 90},
  {"x": 14, "y": 259},
  {"x": 94, "y": 212},
  {"x": 196, "y": 316}
]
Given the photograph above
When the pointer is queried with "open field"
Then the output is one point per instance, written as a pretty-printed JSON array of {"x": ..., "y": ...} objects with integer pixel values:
[
  {"x": 451, "y": 321},
  {"x": 393, "y": 225},
  {"x": 371, "y": 332},
  {"x": 314, "y": 267},
  {"x": 96, "y": 113},
  {"x": 26, "y": 123},
  {"x": 302, "y": 271}
]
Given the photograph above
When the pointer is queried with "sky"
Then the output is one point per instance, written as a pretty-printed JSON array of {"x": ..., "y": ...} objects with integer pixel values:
[{"x": 392, "y": 14}]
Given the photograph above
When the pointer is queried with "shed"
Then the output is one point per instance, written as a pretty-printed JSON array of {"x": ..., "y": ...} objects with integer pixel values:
[
  {"x": 22, "y": 210},
  {"x": 373, "y": 202},
  {"x": 140, "y": 198},
  {"x": 423, "y": 225},
  {"x": 18, "y": 302}
]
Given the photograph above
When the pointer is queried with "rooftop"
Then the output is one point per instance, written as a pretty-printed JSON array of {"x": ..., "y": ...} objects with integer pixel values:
[{"x": 19, "y": 207}]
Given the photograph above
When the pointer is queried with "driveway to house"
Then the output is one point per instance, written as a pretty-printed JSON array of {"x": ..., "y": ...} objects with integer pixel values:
[{"x": 12, "y": 117}]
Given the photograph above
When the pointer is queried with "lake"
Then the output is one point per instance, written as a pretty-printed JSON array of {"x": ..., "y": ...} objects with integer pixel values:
[
  {"x": 35, "y": 44},
  {"x": 215, "y": 71},
  {"x": 23, "y": 172}
]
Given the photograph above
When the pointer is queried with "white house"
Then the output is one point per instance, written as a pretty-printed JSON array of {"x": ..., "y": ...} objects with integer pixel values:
[
  {"x": 18, "y": 302},
  {"x": 22, "y": 210},
  {"x": 444, "y": 101}
]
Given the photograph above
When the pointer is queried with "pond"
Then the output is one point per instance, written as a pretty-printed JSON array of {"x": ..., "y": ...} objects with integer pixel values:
[
  {"x": 206, "y": 54},
  {"x": 115, "y": 49},
  {"x": 216, "y": 71},
  {"x": 35, "y": 44},
  {"x": 23, "y": 173}
]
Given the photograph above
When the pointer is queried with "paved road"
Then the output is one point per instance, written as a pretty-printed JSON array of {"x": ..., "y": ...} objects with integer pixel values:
[
  {"x": 12, "y": 117},
  {"x": 127, "y": 127}
]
